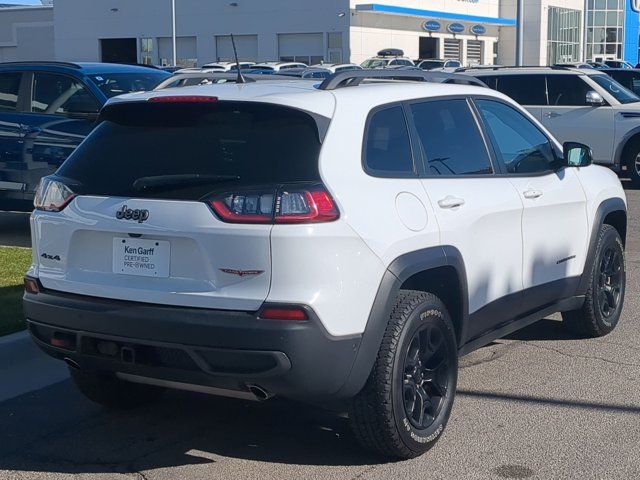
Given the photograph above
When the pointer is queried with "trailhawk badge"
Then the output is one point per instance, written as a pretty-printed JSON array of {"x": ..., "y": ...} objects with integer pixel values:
[
  {"x": 242, "y": 273},
  {"x": 128, "y": 214}
]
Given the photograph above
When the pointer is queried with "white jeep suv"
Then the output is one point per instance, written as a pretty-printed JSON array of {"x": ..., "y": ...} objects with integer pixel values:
[
  {"x": 339, "y": 243},
  {"x": 584, "y": 105}
]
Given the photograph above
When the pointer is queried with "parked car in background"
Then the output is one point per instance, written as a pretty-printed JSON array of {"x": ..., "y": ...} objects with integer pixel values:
[
  {"x": 618, "y": 64},
  {"x": 437, "y": 64},
  {"x": 390, "y": 57},
  {"x": 599, "y": 65},
  {"x": 170, "y": 69},
  {"x": 191, "y": 79},
  {"x": 585, "y": 105},
  {"x": 46, "y": 110},
  {"x": 337, "y": 67},
  {"x": 579, "y": 65},
  {"x": 274, "y": 67},
  {"x": 227, "y": 66},
  {"x": 627, "y": 77}
]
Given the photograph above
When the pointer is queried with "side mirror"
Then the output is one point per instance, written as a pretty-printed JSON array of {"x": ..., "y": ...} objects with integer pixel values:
[
  {"x": 594, "y": 98},
  {"x": 577, "y": 155}
]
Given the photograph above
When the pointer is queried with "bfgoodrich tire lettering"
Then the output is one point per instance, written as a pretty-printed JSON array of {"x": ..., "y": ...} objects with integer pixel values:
[
  {"x": 606, "y": 289},
  {"x": 405, "y": 405}
]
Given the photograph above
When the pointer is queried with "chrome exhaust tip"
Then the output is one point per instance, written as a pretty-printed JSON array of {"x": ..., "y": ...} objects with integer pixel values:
[
  {"x": 260, "y": 393},
  {"x": 72, "y": 363}
]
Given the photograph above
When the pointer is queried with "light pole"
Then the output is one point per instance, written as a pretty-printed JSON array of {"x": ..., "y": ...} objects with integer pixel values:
[
  {"x": 175, "y": 47},
  {"x": 519, "y": 33}
]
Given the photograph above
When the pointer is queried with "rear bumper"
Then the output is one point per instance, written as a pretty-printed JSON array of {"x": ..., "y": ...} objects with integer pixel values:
[{"x": 220, "y": 349}]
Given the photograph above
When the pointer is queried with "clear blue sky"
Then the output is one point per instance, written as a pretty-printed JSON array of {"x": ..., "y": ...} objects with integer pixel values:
[{"x": 23, "y": 2}]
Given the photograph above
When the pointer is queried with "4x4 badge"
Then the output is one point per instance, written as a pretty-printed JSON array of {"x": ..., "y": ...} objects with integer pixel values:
[{"x": 128, "y": 214}]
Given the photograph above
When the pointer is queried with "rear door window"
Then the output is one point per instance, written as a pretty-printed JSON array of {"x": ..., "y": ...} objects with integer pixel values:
[
  {"x": 184, "y": 151},
  {"x": 59, "y": 94},
  {"x": 567, "y": 91},
  {"x": 388, "y": 147},
  {"x": 451, "y": 140},
  {"x": 527, "y": 90},
  {"x": 9, "y": 89}
]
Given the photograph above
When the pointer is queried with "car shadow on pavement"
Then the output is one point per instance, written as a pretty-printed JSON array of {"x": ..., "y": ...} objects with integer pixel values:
[
  {"x": 56, "y": 430},
  {"x": 544, "y": 330}
]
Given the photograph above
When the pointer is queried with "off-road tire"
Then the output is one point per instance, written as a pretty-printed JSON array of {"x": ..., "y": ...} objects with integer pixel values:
[
  {"x": 378, "y": 415},
  {"x": 632, "y": 155},
  {"x": 590, "y": 321},
  {"x": 113, "y": 393}
]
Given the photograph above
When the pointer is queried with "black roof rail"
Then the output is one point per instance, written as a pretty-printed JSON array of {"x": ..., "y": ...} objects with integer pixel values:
[
  {"x": 44, "y": 62},
  {"x": 515, "y": 67},
  {"x": 352, "y": 78}
]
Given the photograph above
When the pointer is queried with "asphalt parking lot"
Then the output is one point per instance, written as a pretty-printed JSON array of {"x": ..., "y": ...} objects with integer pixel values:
[{"x": 540, "y": 404}]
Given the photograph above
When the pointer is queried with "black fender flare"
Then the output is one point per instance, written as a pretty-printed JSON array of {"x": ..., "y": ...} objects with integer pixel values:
[
  {"x": 607, "y": 207},
  {"x": 617, "y": 158},
  {"x": 401, "y": 269}
]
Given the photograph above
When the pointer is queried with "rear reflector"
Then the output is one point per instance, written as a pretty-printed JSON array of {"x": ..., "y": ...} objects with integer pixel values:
[
  {"x": 63, "y": 340},
  {"x": 31, "y": 285},
  {"x": 283, "y": 313},
  {"x": 183, "y": 99}
]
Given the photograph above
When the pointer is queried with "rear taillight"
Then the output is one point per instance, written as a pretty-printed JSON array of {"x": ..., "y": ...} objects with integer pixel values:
[
  {"x": 287, "y": 205},
  {"x": 52, "y": 195}
]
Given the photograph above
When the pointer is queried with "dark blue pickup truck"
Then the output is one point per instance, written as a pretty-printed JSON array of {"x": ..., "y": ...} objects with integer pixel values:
[{"x": 46, "y": 110}]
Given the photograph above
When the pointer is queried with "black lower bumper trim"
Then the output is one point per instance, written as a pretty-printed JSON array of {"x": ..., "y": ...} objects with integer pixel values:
[{"x": 214, "y": 348}]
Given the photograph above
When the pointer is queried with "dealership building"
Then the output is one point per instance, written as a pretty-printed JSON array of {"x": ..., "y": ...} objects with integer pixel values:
[{"x": 472, "y": 31}]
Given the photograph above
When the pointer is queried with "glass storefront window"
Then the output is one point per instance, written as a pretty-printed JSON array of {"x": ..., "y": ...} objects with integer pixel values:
[
  {"x": 605, "y": 21},
  {"x": 563, "y": 39}
]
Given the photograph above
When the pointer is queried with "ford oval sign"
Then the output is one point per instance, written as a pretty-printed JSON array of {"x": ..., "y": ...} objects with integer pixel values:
[
  {"x": 455, "y": 28},
  {"x": 433, "y": 25},
  {"x": 481, "y": 29}
]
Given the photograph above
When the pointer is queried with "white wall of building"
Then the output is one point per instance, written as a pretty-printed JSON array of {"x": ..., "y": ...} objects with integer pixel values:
[
  {"x": 80, "y": 24},
  {"x": 26, "y": 34},
  {"x": 371, "y": 32},
  {"x": 536, "y": 25}
]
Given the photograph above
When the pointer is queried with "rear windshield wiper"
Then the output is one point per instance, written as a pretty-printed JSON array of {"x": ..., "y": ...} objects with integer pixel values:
[{"x": 173, "y": 181}]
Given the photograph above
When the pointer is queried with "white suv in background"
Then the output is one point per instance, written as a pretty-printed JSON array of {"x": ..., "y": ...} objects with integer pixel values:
[
  {"x": 580, "y": 105},
  {"x": 340, "y": 243}
]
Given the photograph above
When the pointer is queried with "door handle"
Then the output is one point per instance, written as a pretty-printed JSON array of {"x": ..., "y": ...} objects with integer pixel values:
[
  {"x": 551, "y": 115},
  {"x": 451, "y": 202},
  {"x": 532, "y": 194}
]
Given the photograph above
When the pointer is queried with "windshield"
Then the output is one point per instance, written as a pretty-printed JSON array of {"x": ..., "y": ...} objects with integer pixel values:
[
  {"x": 428, "y": 65},
  {"x": 615, "y": 89},
  {"x": 373, "y": 63},
  {"x": 113, "y": 84}
]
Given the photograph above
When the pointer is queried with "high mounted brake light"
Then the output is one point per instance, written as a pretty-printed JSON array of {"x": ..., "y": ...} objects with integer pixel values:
[
  {"x": 287, "y": 205},
  {"x": 183, "y": 99},
  {"x": 52, "y": 195}
]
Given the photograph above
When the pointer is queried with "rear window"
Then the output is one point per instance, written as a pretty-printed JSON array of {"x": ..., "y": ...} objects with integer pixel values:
[
  {"x": 524, "y": 89},
  {"x": 185, "y": 151}
]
